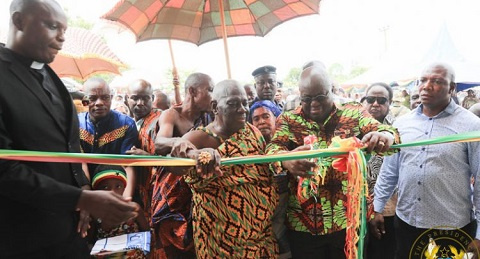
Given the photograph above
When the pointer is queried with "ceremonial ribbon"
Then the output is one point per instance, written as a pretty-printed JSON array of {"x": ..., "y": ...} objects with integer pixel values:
[
  {"x": 138, "y": 160},
  {"x": 356, "y": 210},
  {"x": 355, "y": 164}
]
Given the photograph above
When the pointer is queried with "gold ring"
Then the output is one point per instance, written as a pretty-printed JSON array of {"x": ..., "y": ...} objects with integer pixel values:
[{"x": 204, "y": 157}]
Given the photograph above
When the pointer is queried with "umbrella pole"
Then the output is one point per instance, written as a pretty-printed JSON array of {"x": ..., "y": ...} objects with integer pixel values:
[
  {"x": 224, "y": 36},
  {"x": 176, "y": 82}
]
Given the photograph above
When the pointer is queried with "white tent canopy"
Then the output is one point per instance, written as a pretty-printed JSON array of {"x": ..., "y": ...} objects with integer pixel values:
[{"x": 442, "y": 49}]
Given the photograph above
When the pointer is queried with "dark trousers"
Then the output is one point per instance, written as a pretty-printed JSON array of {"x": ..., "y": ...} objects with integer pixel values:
[
  {"x": 304, "y": 245},
  {"x": 74, "y": 247},
  {"x": 406, "y": 236},
  {"x": 382, "y": 248}
]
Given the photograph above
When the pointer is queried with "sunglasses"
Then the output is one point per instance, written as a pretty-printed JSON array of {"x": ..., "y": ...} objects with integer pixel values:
[
  {"x": 319, "y": 98},
  {"x": 372, "y": 99}
]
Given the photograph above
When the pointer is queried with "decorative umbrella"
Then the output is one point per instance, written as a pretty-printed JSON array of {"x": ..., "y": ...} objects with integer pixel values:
[
  {"x": 200, "y": 21},
  {"x": 84, "y": 54}
]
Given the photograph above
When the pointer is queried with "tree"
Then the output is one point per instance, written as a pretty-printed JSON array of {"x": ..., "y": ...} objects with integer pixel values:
[
  {"x": 79, "y": 22},
  {"x": 182, "y": 76},
  {"x": 338, "y": 74},
  {"x": 356, "y": 71},
  {"x": 291, "y": 80}
]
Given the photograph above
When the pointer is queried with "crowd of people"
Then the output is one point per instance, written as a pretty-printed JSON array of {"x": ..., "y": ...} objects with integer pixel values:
[{"x": 213, "y": 210}]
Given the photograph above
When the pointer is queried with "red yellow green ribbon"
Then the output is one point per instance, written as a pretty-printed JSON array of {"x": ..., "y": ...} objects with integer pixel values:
[
  {"x": 355, "y": 163},
  {"x": 136, "y": 160}
]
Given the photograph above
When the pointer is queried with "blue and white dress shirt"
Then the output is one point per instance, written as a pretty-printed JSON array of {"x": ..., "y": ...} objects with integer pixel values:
[{"x": 434, "y": 181}]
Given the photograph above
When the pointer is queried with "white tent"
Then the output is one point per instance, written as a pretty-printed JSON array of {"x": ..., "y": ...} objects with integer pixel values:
[{"x": 442, "y": 49}]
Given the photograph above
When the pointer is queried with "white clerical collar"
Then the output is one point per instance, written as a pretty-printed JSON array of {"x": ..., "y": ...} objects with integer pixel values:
[{"x": 37, "y": 65}]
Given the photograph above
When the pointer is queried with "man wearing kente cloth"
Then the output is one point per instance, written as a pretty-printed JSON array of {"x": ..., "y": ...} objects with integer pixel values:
[
  {"x": 172, "y": 198},
  {"x": 140, "y": 98},
  {"x": 317, "y": 222},
  {"x": 232, "y": 204}
]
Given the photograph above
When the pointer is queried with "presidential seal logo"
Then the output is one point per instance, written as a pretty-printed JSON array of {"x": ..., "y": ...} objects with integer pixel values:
[{"x": 442, "y": 243}]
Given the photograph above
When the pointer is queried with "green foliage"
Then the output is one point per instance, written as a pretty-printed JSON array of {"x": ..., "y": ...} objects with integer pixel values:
[
  {"x": 182, "y": 76},
  {"x": 79, "y": 22},
  {"x": 291, "y": 80},
  {"x": 356, "y": 71},
  {"x": 336, "y": 71},
  {"x": 339, "y": 75}
]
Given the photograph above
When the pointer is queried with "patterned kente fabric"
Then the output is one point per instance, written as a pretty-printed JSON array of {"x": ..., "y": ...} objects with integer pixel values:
[
  {"x": 373, "y": 169},
  {"x": 114, "y": 134},
  {"x": 147, "y": 131},
  {"x": 171, "y": 216},
  {"x": 124, "y": 228},
  {"x": 171, "y": 211},
  {"x": 232, "y": 214},
  {"x": 325, "y": 213}
]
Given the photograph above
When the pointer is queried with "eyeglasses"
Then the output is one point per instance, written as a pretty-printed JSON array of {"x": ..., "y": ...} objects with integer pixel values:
[
  {"x": 93, "y": 98},
  {"x": 372, "y": 99},
  {"x": 144, "y": 98},
  {"x": 319, "y": 98},
  {"x": 435, "y": 81}
]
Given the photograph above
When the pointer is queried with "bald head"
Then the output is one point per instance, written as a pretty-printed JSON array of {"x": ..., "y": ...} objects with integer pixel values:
[
  {"x": 37, "y": 29},
  {"x": 443, "y": 66},
  {"x": 140, "y": 98},
  {"x": 23, "y": 5},
  {"x": 198, "y": 89},
  {"x": 316, "y": 93},
  {"x": 140, "y": 85},
  {"x": 225, "y": 88},
  {"x": 415, "y": 99},
  {"x": 161, "y": 100},
  {"x": 95, "y": 82},
  {"x": 100, "y": 99},
  {"x": 436, "y": 86},
  {"x": 230, "y": 105},
  {"x": 196, "y": 80},
  {"x": 251, "y": 93},
  {"x": 315, "y": 75},
  {"x": 475, "y": 109},
  {"x": 314, "y": 63}
]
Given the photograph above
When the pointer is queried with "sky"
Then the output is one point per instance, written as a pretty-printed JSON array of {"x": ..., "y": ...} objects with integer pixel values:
[{"x": 347, "y": 32}]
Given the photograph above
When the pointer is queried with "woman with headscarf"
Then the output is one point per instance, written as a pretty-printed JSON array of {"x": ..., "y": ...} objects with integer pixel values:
[{"x": 263, "y": 115}]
